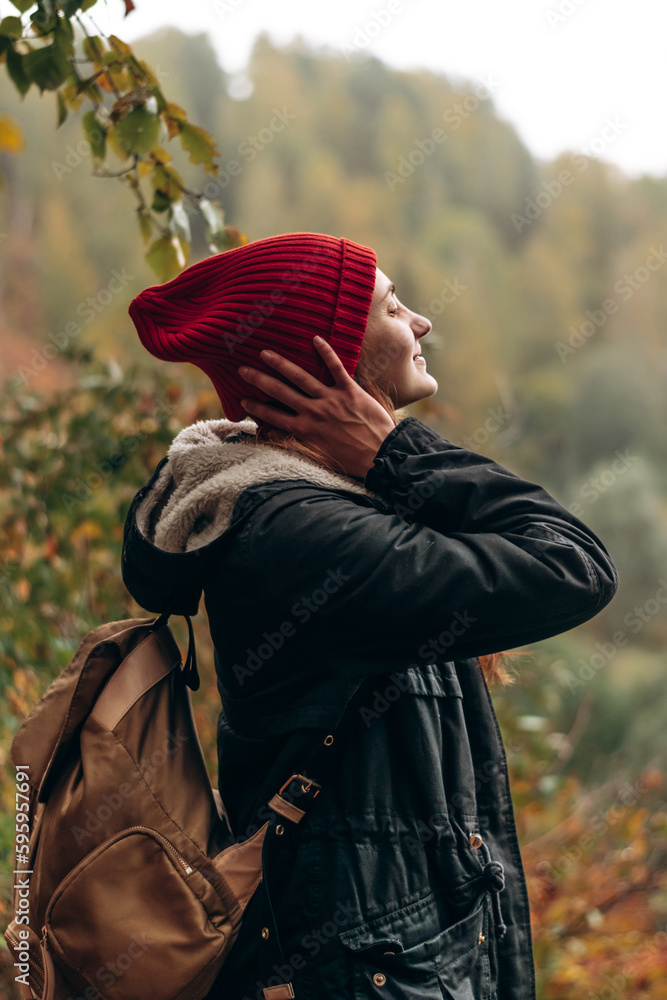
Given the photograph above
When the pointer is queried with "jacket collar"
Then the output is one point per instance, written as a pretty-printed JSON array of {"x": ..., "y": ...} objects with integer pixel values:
[{"x": 209, "y": 464}]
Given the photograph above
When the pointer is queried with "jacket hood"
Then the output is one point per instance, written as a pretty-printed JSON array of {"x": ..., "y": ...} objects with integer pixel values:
[{"x": 190, "y": 499}]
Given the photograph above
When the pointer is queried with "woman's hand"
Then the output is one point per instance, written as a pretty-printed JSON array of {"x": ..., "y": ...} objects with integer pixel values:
[{"x": 343, "y": 421}]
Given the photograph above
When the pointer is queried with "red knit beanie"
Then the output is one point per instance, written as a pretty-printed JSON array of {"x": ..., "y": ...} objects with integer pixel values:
[{"x": 275, "y": 293}]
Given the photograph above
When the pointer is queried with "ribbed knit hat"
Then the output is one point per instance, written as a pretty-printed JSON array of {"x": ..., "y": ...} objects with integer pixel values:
[{"x": 275, "y": 293}]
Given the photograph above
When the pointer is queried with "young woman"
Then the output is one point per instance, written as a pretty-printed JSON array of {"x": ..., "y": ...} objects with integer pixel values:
[{"x": 347, "y": 554}]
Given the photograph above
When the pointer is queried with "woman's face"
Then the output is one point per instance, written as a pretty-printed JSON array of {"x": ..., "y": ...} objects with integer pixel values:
[{"x": 390, "y": 347}]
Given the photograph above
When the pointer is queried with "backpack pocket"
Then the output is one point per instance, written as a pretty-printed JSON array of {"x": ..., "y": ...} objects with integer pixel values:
[{"x": 136, "y": 919}]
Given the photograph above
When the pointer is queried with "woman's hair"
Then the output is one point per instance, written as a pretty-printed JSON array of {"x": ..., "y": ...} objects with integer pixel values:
[{"x": 493, "y": 665}]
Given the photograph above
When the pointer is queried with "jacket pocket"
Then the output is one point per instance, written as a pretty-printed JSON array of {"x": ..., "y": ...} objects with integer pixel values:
[
  {"x": 432, "y": 680},
  {"x": 389, "y": 961}
]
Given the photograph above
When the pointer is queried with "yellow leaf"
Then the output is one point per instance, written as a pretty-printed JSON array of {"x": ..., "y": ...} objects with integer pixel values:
[
  {"x": 86, "y": 530},
  {"x": 176, "y": 111},
  {"x": 120, "y": 46},
  {"x": 200, "y": 146},
  {"x": 160, "y": 153},
  {"x": 11, "y": 136}
]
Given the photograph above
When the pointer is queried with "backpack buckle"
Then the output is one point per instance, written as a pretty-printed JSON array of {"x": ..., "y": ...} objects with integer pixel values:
[
  {"x": 300, "y": 793},
  {"x": 299, "y": 787}
]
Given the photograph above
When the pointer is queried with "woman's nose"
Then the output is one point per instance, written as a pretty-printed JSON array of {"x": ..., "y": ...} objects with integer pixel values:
[{"x": 421, "y": 324}]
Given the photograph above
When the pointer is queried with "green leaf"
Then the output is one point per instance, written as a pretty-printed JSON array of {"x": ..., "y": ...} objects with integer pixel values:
[
  {"x": 145, "y": 226},
  {"x": 87, "y": 4},
  {"x": 70, "y": 7},
  {"x": 200, "y": 146},
  {"x": 95, "y": 134},
  {"x": 62, "y": 110},
  {"x": 16, "y": 71},
  {"x": 44, "y": 22},
  {"x": 66, "y": 29},
  {"x": 48, "y": 67},
  {"x": 161, "y": 200},
  {"x": 12, "y": 27},
  {"x": 167, "y": 180},
  {"x": 166, "y": 257},
  {"x": 89, "y": 90},
  {"x": 93, "y": 49},
  {"x": 23, "y": 5},
  {"x": 138, "y": 132}
]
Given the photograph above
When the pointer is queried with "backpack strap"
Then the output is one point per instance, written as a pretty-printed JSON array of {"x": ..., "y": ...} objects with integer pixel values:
[
  {"x": 291, "y": 804},
  {"x": 297, "y": 794},
  {"x": 190, "y": 671}
]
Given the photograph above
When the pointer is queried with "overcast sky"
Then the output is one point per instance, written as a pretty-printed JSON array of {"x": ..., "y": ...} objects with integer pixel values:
[{"x": 563, "y": 69}]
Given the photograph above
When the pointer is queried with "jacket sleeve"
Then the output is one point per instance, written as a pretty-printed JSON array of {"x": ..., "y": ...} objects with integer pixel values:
[{"x": 468, "y": 559}]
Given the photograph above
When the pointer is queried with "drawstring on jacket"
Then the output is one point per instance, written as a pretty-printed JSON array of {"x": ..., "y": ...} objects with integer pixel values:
[{"x": 493, "y": 874}]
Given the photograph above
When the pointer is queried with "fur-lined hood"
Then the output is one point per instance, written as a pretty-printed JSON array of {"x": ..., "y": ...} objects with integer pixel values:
[{"x": 209, "y": 464}]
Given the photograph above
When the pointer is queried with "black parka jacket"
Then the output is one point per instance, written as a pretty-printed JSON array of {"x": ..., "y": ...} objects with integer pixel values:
[{"x": 405, "y": 879}]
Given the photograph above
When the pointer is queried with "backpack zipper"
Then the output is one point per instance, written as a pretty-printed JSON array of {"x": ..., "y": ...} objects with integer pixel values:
[
  {"x": 118, "y": 836},
  {"x": 38, "y": 969}
]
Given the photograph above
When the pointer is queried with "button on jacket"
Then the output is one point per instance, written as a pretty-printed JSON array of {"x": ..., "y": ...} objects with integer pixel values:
[{"x": 405, "y": 879}]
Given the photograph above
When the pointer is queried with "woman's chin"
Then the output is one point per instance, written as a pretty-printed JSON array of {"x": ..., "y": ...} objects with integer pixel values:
[{"x": 420, "y": 388}]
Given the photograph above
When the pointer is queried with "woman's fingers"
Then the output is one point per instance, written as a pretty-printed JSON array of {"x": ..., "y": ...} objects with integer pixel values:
[
  {"x": 269, "y": 414},
  {"x": 332, "y": 361},
  {"x": 274, "y": 387},
  {"x": 307, "y": 387},
  {"x": 304, "y": 380}
]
